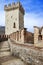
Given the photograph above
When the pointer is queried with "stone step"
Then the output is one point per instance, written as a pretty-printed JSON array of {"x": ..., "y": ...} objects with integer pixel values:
[
  {"x": 7, "y": 53},
  {"x": 4, "y": 46},
  {"x": 4, "y": 49}
]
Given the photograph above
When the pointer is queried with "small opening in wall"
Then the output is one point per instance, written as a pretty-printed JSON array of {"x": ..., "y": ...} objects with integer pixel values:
[
  {"x": 14, "y": 26},
  {"x": 40, "y": 37}
]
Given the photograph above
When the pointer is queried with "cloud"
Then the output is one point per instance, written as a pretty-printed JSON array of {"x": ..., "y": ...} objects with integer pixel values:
[{"x": 31, "y": 20}]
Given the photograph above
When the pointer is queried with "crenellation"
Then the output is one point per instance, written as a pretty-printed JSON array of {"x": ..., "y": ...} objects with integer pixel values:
[
  {"x": 36, "y": 27},
  {"x": 13, "y": 3},
  {"x": 5, "y": 6},
  {"x": 9, "y": 5},
  {"x": 14, "y": 6}
]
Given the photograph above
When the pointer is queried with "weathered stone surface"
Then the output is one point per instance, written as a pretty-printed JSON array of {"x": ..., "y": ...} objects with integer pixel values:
[
  {"x": 31, "y": 57},
  {"x": 11, "y": 60},
  {"x": 28, "y": 54}
]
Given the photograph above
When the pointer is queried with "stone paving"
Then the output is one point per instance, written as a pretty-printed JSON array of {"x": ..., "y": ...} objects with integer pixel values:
[{"x": 11, "y": 60}]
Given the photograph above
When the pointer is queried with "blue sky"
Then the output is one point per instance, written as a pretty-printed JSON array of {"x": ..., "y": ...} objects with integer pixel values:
[{"x": 33, "y": 13}]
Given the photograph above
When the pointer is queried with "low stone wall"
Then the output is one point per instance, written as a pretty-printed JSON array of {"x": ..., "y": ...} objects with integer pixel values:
[{"x": 28, "y": 54}]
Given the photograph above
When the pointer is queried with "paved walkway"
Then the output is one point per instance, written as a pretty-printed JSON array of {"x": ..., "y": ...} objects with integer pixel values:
[{"x": 11, "y": 60}]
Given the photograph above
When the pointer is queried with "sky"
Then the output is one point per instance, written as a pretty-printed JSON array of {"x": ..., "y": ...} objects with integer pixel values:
[{"x": 33, "y": 13}]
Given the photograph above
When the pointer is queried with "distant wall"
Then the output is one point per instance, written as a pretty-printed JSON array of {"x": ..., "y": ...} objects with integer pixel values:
[
  {"x": 3, "y": 38},
  {"x": 23, "y": 36}
]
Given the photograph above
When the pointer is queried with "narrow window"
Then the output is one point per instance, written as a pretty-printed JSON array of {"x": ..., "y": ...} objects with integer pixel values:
[{"x": 14, "y": 25}]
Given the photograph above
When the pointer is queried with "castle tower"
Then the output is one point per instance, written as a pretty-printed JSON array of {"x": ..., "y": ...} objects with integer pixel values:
[{"x": 14, "y": 18}]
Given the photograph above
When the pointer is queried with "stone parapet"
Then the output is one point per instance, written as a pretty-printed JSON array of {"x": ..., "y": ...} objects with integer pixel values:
[{"x": 14, "y": 6}]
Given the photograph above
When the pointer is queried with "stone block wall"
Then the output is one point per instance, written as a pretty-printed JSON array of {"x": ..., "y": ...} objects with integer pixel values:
[
  {"x": 19, "y": 35},
  {"x": 23, "y": 36},
  {"x": 38, "y": 36}
]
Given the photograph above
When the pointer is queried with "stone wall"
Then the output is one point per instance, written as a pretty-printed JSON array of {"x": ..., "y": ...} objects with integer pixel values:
[
  {"x": 23, "y": 36},
  {"x": 38, "y": 41},
  {"x": 28, "y": 54},
  {"x": 19, "y": 35}
]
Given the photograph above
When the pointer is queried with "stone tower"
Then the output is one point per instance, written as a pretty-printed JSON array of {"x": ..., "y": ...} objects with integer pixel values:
[{"x": 14, "y": 18}]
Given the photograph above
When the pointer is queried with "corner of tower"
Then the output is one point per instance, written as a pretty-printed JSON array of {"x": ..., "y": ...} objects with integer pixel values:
[{"x": 21, "y": 7}]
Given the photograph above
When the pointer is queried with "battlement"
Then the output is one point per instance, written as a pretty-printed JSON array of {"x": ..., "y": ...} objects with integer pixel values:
[
  {"x": 3, "y": 37},
  {"x": 36, "y": 27},
  {"x": 14, "y": 6}
]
